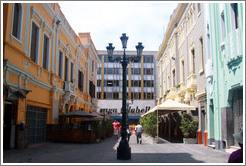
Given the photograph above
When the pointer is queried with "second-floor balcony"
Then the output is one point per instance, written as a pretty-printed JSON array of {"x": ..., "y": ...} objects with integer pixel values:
[
  {"x": 191, "y": 84},
  {"x": 69, "y": 87},
  {"x": 181, "y": 89},
  {"x": 171, "y": 93}
]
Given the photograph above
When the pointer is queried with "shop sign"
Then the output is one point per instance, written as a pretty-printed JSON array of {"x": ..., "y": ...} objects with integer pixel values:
[{"x": 131, "y": 110}]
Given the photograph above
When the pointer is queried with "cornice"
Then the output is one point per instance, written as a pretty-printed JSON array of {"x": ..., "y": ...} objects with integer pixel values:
[{"x": 176, "y": 15}]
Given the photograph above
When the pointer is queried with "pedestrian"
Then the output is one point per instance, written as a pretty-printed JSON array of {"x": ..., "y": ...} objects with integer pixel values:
[
  {"x": 139, "y": 130},
  {"x": 116, "y": 126},
  {"x": 129, "y": 133},
  {"x": 237, "y": 156}
]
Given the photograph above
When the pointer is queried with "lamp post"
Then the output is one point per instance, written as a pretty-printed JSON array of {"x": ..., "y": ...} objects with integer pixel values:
[{"x": 123, "y": 150}]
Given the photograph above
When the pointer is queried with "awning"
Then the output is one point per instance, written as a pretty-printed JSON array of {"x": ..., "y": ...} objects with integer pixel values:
[
  {"x": 129, "y": 117},
  {"x": 97, "y": 117},
  {"x": 77, "y": 113},
  {"x": 167, "y": 107},
  {"x": 170, "y": 106}
]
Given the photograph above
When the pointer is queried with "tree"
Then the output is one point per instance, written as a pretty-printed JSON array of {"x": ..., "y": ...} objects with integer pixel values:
[
  {"x": 188, "y": 126},
  {"x": 149, "y": 123}
]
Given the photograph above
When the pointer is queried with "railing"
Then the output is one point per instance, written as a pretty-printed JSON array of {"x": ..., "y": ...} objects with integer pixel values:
[
  {"x": 69, "y": 87},
  {"x": 172, "y": 93},
  {"x": 181, "y": 89}
]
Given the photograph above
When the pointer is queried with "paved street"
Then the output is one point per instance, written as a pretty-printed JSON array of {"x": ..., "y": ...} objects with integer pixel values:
[{"x": 105, "y": 152}]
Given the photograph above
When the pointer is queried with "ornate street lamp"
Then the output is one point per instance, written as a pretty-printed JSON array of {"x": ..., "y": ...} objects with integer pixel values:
[{"x": 123, "y": 150}]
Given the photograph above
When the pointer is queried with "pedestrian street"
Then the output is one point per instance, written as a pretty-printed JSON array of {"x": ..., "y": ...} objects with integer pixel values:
[{"x": 106, "y": 152}]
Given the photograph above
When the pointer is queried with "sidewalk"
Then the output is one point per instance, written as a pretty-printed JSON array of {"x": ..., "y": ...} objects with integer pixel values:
[{"x": 106, "y": 152}]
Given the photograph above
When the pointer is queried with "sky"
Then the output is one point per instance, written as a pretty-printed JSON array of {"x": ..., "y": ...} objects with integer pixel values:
[{"x": 142, "y": 21}]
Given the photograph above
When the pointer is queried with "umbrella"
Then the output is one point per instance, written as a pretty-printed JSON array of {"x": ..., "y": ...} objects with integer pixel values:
[
  {"x": 167, "y": 107},
  {"x": 170, "y": 106}
]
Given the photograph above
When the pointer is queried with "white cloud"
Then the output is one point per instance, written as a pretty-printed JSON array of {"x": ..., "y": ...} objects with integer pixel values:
[{"x": 107, "y": 20}]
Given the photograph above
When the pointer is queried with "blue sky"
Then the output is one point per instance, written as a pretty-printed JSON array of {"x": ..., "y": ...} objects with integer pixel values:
[{"x": 142, "y": 21}]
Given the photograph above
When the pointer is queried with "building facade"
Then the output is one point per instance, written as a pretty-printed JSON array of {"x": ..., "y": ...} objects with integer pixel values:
[
  {"x": 140, "y": 85},
  {"x": 181, "y": 63},
  {"x": 224, "y": 71},
  {"x": 47, "y": 70}
]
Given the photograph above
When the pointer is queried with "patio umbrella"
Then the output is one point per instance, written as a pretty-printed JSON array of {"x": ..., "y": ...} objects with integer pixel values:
[
  {"x": 96, "y": 117},
  {"x": 169, "y": 106}
]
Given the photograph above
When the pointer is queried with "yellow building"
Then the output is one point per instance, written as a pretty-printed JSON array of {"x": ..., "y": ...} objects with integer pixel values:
[{"x": 47, "y": 70}]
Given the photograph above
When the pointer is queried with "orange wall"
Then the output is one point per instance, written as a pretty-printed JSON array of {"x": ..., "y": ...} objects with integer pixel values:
[{"x": 15, "y": 53}]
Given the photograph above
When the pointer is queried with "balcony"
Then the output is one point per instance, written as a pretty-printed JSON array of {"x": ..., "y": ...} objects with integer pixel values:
[
  {"x": 191, "y": 83},
  {"x": 69, "y": 87},
  {"x": 181, "y": 89},
  {"x": 171, "y": 93}
]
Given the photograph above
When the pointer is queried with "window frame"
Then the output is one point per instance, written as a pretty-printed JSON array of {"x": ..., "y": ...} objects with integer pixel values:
[
  {"x": 20, "y": 24},
  {"x": 60, "y": 64},
  {"x": 66, "y": 72},
  {"x": 38, "y": 41},
  {"x": 47, "y": 51}
]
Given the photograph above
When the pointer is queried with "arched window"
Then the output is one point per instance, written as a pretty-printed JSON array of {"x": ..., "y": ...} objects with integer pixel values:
[{"x": 17, "y": 21}]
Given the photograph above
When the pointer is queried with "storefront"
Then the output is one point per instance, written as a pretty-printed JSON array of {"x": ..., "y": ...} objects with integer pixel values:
[{"x": 112, "y": 108}]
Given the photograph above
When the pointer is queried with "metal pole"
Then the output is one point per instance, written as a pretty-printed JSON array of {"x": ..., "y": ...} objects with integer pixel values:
[
  {"x": 157, "y": 127},
  {"x": 124, "y": 151}
]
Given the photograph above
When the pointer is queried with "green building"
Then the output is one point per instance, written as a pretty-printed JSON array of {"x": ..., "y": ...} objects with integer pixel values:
[{"x": 224, "y": 72}]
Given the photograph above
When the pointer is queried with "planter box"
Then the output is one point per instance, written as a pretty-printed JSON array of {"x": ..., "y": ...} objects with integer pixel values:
[{"x": 190, "y": 140}]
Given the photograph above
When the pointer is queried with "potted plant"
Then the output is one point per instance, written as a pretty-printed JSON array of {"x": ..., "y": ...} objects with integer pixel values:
[
  {"x": 98, "y": 129},
  {"x": 149, "y": 125},
  {"x": 189, "y": 128}
]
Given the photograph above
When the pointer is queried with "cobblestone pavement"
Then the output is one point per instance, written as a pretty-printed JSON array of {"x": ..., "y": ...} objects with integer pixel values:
[{"x": 106, "y": 152}]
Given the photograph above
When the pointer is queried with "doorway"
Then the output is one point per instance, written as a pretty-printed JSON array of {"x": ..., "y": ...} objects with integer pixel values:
[{"x": 9, "y": 131}]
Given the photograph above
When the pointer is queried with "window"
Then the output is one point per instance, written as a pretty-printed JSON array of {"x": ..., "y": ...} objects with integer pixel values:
[
  {"x": 99, "y": 95},
  {"x": 222, "y": 23},
  {"x": 93, "y": 65},
  {"x": 148, "y": 71},
  {"x": 199, "y": 7},
  {"x": 80, "y": 81},
  {"x": 208, "y": 41},
  {"x": 98, "y": 82},
  {"x": 109, "y": 83},
  {"x": 109, "y": 95},
  {"x": 234, "y": 15},
  {"x": 66, "y": 68},
  {"x": 99, "y": 70},
  {"x": 92, "y": 89},
  {"x": 148, "y": 95},
  {"x": 136, "y": 71},
  {"x": 72, "y": 70},
  {"x": 46, "y": 52},
  {"x": 201, "y": 57},
  {"x": 115, "y": 95},
  {"x": 193, "y": 60},
  {"x": 109, "y": 71},
  {"x": 182, "y": 71},
  {"x": 34, "y": 43},
  {"x": 173, "y": 77},
  {"x": 17, "y": 21},
  {"x": 60, "y": 64}
]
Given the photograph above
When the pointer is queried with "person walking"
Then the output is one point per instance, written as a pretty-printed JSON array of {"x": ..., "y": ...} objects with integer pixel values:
[
  {"x": 116, "y": 129},
  {"x": 139, "y": 130},
  {"x": 237, "y": 156},
  {"x": 128, "y": 134}
]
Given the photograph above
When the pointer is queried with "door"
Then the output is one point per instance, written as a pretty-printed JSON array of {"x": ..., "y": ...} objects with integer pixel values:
[
  {"x": 238, "y": 111},
  {"x": 10, "y": 113},
  {"x": 36, "y": 118},
  {"x": 203, "y": 124}
]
